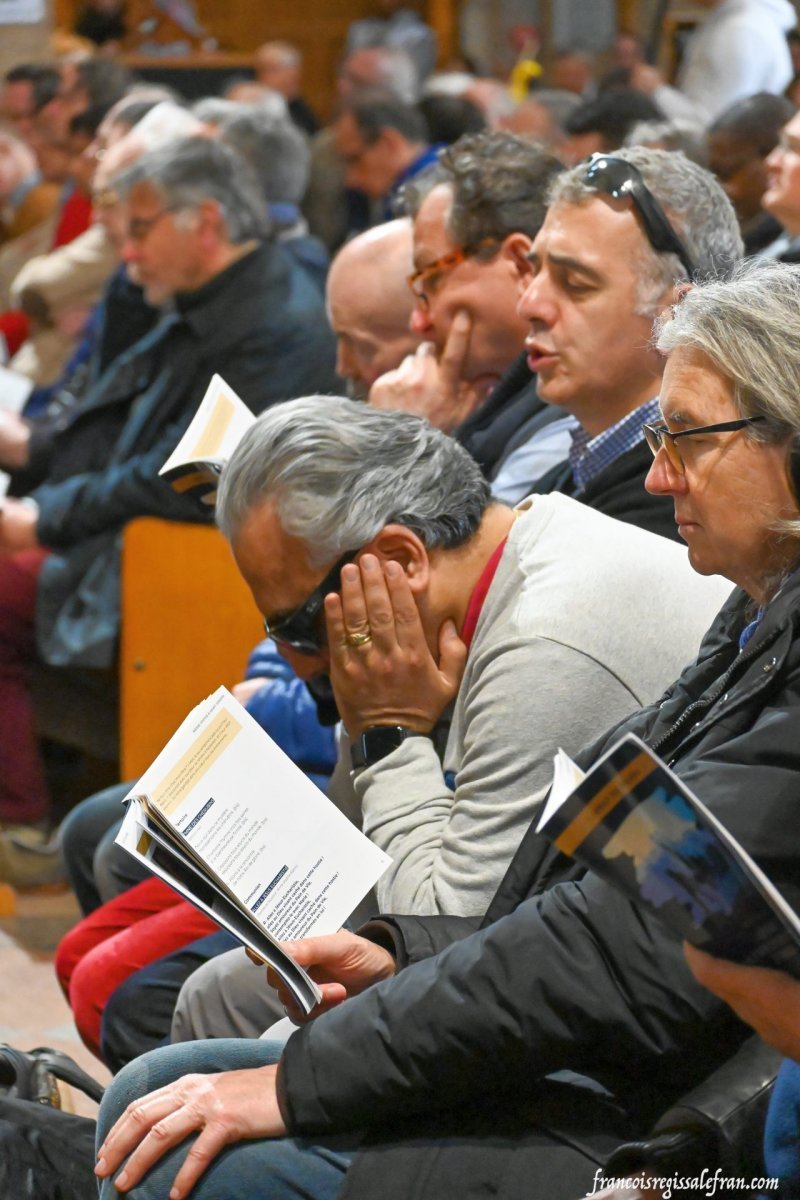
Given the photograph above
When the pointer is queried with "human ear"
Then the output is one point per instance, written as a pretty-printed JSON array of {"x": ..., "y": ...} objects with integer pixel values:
[
  {"x": 398, "y": 543},
  {"x": 516, "y": 248}
]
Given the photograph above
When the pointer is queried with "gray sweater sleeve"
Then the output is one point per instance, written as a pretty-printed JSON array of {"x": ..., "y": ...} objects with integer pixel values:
[{"x": 520, "y": 701}]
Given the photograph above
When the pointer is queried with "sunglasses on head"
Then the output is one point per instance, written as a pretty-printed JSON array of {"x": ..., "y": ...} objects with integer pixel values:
[
  {"x": 303, "y": 629},
  {"x": 620, "y": 179}
]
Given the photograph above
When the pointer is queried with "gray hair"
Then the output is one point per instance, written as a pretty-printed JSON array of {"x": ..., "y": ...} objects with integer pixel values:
[
  {"x": 697, "y": 207},
  {"x": 747, "y": 326},
  {"x": 275, "y": 149},
  {"x": 188, "y": 171},
  {"x": 675, "y": 134},
  {"x": 338, "y": 472}
]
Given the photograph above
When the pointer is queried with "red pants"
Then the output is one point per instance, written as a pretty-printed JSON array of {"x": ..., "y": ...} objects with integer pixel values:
[
  {"x": 122, "y": 936},
  {"x": 23, "y": 791}
]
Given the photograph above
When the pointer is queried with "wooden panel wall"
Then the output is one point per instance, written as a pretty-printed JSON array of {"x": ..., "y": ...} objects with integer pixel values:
[{"x": 317, "y": 27}]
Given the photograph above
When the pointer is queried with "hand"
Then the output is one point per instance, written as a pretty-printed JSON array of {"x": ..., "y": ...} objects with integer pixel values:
[
  {"x": 17, "y": 527},
  {"x": 343, "y": 964},
  {"x": 767, "y": 1000},
  {"x": 645, "y": 78},
  {"x": 394, "y": 679},
  {"x": 431, "y": 388},
  {"x": 223, "y": 1108},
  {"x": 15, "y": 436},
  {"x": 248, "y": 688}
]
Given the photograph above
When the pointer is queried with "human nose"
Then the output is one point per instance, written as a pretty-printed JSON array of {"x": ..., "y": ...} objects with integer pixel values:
[
  {"x": 534, "y": 304},
  {"x": 663, "y": 478},
  {"x": 420, "y": 321}
]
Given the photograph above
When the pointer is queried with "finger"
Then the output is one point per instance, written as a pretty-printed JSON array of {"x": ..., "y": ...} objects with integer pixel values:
[
  {"x": 201, "y": 1154},
  {"x": 379, "y": 614},
  {"x": 713, "y": 973},
  {"x": 255, "y": 959},
  {"x": 334, "y": 626},
  {"x": 423, "y": 350},
  {"x": 163, "y": 1136},
  {"x": 455, "y": 349},
  {"x": 332, "y": 994},
  {"x": 452, "y": 654},
  {"x": 354, "y": 605},
  {"x": 134, "y": 1124},
  {"x": 405, "y": 614}
]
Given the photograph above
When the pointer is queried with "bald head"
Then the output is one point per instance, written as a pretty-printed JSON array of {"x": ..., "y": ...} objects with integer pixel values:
[{"x": 370, "y": 303}]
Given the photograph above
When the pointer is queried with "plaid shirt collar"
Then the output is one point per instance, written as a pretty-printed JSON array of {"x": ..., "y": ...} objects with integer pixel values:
[{"x": 589, "y": 456}]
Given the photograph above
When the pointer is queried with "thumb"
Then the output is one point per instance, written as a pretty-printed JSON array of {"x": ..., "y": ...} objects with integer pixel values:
[
  {"x": 306, "y": 952},
  {"x": 452, "y": 654}
]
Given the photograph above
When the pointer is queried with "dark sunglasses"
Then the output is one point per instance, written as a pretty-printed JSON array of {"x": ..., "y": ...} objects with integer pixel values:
[
  {"x": 303, "y": 628},
  {"x": 659, "y": 437},
  {"x": 618, "y": 178}
]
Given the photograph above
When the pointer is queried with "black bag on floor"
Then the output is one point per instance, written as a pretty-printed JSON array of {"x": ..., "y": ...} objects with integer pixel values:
[{"x": 45, "y": 1154}]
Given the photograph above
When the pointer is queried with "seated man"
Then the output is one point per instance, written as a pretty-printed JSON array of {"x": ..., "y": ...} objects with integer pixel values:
[
  {"x": 782, "y": 197},
  {"x": 604, "y": 265},
  {"x": 487, "y": 615},
  {"x": 739, "y": 142},
  {"x": 369, "y": 304},
  {"x": 510, "y": 1055},
  {"x": 475, "y": 215},
  {"x": 196, "y": 235}
]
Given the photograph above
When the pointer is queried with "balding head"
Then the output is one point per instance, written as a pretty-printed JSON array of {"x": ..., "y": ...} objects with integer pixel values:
[
  {"x": 279, "y": 65},
  {"x": 370, "y": 303}
]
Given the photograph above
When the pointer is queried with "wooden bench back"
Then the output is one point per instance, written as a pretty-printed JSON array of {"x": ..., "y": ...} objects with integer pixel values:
[{"x": 188, "y": 625}]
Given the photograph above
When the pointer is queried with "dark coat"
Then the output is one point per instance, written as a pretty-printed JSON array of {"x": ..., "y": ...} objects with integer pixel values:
[
  {"x": 260, "y": 324},
  {"x": 509, "y": 416},
  {"x": 618, "y": 491},
  {"x": 564, "y": 974}
]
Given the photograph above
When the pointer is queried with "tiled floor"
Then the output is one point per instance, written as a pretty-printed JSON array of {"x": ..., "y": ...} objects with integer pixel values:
[{"x": 33, "y": 1012}]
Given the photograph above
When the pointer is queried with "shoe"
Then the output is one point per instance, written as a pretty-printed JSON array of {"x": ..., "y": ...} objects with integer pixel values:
[{"x": 26, "y": 862}]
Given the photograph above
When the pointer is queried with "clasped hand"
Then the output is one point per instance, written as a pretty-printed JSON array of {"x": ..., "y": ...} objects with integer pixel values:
[{"x": 393, "y": 678}]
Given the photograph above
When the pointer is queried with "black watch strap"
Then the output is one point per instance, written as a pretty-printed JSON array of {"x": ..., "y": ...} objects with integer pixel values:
[{"x": 376, "y": 742}]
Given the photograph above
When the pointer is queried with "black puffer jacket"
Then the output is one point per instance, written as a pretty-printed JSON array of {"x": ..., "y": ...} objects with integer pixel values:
[{"x": 564, "y": 974}]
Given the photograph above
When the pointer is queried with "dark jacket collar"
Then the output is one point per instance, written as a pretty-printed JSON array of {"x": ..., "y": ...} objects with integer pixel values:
[{"x": 208, "y": 308}]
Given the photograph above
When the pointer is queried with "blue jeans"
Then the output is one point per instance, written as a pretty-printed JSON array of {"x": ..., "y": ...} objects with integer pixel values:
[{"x": 282, "y": 1169}]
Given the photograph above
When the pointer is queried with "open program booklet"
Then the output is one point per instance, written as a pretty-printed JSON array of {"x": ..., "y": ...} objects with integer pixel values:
[
  {"x": 635, "y": 823},
  {"x": 225, "y": 818},
  {"x": 196, "y": 463}
]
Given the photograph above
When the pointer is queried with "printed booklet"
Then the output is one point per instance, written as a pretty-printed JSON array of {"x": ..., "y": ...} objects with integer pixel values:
[
  {"x": 228, "y": 820},
  {"x": 216, "y": 429},
  {"x": 634, "y": 823}
]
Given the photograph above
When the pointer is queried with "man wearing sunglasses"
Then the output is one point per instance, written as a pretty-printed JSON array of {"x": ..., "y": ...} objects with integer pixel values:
[
  {"x": 428, "y": 602},
  {"x": 623, "y": 235}
]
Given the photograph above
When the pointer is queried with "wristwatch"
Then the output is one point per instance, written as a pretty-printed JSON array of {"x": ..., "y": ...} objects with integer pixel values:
[{"x": 376, "y": 742}]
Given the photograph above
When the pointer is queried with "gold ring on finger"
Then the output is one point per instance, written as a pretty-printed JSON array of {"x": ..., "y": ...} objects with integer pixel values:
[{"x": 358, "y": 639}]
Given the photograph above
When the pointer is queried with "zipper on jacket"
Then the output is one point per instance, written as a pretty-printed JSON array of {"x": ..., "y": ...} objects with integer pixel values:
[{"x": 707, "y": 702}]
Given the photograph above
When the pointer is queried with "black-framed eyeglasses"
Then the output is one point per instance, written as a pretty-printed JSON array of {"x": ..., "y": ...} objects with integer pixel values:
[
  {"x": 448, "y": 262},
  {"x": 618, "y": 178},
  {"x": 659, "y": 437},
  {"x": 302, "y": 628},
  {"x": 139, "y": 227}
]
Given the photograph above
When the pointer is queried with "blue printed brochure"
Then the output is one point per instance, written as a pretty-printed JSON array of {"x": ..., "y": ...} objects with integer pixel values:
[{"x": 635, "y": 823}]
